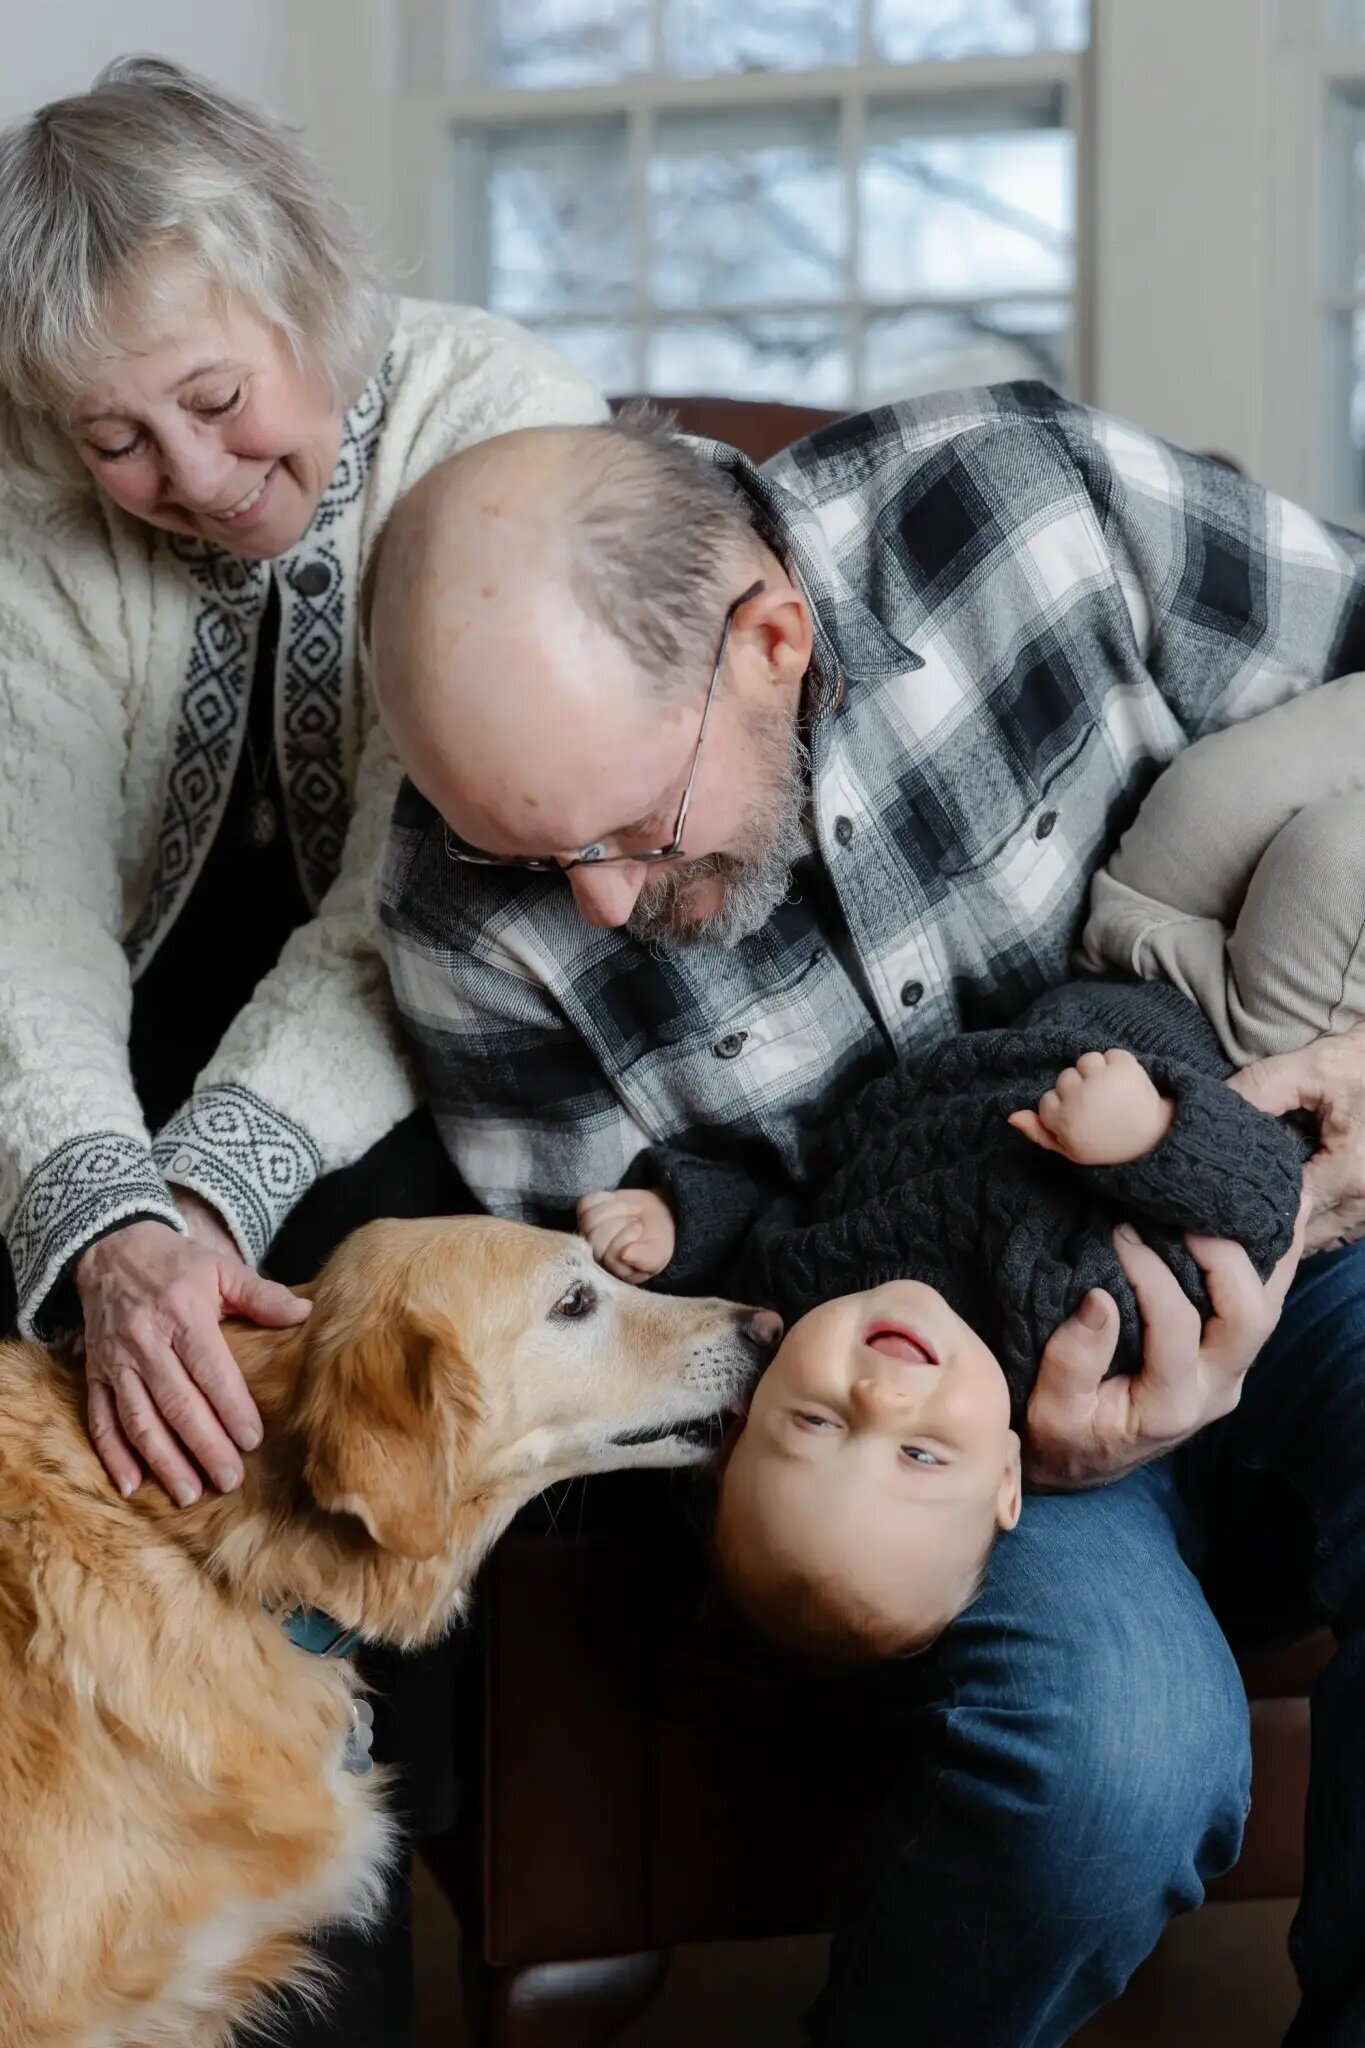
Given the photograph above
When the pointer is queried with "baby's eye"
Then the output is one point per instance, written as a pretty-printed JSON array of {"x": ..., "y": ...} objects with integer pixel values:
[
  {"x": 917, "y": 1455},
  {"x": 815, "y": 1421}
]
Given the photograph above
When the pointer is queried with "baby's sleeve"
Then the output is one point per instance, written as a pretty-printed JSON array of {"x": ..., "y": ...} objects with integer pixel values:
[
  {"x": 714, "y": 1203},
  {"x": 1224, "y": 1168}
]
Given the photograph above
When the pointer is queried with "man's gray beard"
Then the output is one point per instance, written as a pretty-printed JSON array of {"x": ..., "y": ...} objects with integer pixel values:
[{"x": 757, "y": 880}]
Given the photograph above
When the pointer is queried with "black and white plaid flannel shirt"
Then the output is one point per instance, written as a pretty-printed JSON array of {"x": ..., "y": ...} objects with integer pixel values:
[{"x": 1023, "y": 609}]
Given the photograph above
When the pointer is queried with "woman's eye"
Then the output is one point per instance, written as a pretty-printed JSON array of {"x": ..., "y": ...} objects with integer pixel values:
[
  {"x": 218, "y": 412},
  {"x": 117, "y": 454},
  {"x": 580, "y": 1301},
  {"x": 917, "y": 1455}
]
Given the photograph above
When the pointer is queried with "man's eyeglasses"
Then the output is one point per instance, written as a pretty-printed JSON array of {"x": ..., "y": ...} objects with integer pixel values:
[{"x": 594, "y": 856}]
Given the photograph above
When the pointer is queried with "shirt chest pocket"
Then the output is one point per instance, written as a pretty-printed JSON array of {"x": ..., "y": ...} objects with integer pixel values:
[
  {"x": 754, "y": 1066},
  {"x": 1014, "y": 894}
]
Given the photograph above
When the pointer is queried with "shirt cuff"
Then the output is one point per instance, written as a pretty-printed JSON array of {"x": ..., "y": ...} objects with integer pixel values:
[
  {"x": 244, "y": 1157},
  {"x": 86, "y": 1188}
]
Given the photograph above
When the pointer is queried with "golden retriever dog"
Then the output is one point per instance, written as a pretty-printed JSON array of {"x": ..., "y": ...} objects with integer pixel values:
[{"x": 175, "y": 1810}]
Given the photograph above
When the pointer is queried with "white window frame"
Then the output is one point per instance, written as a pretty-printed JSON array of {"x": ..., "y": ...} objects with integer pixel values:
[
  {"x": 438, "y": 162},
  {"x": 1315, "y": 72}
]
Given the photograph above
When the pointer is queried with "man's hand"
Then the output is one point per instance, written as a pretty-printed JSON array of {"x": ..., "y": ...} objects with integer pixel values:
[
  {"x": 1084, "y": 1429},
  {"x": 161, "y": 1380},
  {"x": 1326, "y": 1078}
]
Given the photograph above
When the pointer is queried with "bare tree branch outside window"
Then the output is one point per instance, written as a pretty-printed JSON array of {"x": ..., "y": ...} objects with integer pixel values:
[{"x": 745, "y": 281}]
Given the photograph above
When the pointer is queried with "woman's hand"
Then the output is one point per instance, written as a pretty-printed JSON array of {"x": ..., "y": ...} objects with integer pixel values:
[
  {"x": 162, "y": 1381},
  {"x": 1328, "y": 1079},
  {"x": 1084, "y": 1429}
]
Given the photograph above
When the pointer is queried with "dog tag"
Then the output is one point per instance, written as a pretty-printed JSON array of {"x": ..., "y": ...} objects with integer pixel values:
[{"x": 355, "y": 1756}]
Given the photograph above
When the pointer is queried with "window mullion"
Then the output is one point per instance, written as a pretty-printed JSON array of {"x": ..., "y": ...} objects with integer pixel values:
[
  {"x": 639, "y": 147},
  {"x": 852, "y": 146}
]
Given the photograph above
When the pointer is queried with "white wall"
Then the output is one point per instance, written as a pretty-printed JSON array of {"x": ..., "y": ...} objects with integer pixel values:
[
  {"x": 1180, "y": 234},
  {"x": 53, "y": 47}
]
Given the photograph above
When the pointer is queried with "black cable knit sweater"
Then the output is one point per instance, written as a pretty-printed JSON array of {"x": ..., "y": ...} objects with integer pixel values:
[{"x": 919, "y": 1176}]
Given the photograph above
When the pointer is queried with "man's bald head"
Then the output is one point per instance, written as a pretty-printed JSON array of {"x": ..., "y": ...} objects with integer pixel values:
[
  {"x": 625, "y": 519},
  {"x": 546, "y": 611}
]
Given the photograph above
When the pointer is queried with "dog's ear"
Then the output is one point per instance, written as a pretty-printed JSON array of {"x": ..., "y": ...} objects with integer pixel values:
[{"x": 389, "y": 1411}]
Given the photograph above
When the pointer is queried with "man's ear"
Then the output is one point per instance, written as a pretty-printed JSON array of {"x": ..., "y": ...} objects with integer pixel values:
[
  {"x": 781, "y": 623},
  {"x": 390, "y": 1410}
]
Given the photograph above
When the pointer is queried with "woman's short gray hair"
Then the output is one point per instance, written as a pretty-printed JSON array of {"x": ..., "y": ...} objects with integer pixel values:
[{"x": 153, "y": 160}]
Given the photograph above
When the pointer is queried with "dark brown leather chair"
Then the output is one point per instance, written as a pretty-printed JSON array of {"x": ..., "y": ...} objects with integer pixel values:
[{"x": 624, "y": 1802}]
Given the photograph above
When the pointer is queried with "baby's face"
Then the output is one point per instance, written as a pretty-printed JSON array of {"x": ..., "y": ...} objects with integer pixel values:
[{"x": 878, "y": 1453}]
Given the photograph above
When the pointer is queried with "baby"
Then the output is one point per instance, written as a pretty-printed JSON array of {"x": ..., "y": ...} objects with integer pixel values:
[{"x": 959, "y": 1210}]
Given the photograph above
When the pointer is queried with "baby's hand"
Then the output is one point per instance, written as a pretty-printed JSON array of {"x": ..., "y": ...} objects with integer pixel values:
[
  {"x": 630, "y": 1232},
  {"x": 1104, "y": 1111}
]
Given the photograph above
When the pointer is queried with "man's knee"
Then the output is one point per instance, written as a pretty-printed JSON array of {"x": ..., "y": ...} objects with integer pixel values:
[
  {"x": 1131, "y": 1782},
  {"x": 1096, "y": 1731}
]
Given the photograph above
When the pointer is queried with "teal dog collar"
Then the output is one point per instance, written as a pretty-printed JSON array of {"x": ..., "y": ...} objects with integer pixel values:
[{"x": 320, "y": 1636}]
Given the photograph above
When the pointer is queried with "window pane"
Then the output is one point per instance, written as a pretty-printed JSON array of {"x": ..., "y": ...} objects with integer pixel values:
[
  {"x": 753, "y": 220},
  {"x": 911, "y": 31},
  {"x": 702, "y": 36},
  {"x": 1346, "y": 223},
  {"x": 567, "y": 42},
  {"x": 1345, "y": 450},
  {"x": 905, "y": 353},
  {"x": 558, "y": 218},
  {"x": 798, "y": 357},
  {"x": 603, "y": 350},
  {"x": 961, "y": 215}
]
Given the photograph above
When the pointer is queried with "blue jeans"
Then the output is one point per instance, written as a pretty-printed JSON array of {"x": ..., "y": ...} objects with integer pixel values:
[{"x": 1080, "y": 1736}]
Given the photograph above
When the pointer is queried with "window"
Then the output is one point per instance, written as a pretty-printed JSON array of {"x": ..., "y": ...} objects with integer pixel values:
[
  {"x": 1342, "y": 291},
  {"x": 828, "y": 201}
]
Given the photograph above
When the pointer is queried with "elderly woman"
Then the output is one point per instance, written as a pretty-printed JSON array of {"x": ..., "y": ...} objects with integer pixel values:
[{"x": 207, "y": 409}]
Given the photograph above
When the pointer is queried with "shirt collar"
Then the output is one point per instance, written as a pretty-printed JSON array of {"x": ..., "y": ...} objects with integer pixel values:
[{"x": 852, "y": 643}]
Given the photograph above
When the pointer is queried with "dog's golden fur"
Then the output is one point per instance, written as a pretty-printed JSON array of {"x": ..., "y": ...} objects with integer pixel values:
[{"x": 173, "y": 1811}]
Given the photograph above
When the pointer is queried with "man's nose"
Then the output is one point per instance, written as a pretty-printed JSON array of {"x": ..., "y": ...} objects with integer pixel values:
[{"x": 606, "y": 896}]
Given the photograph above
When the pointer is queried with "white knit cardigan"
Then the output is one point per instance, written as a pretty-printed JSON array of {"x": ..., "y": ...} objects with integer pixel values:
[{"x": 126, "y": 657}]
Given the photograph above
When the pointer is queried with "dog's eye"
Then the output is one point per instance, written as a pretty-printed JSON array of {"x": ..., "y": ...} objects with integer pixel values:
[{"x": 580, "y": 1301}]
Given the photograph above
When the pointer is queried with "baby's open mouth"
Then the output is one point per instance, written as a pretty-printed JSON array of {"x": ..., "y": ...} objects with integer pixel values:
[{"x": 897, "y": 1340}]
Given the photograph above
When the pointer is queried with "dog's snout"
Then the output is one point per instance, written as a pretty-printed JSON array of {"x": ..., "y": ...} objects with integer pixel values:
[{"x": 763, "y": 1327}]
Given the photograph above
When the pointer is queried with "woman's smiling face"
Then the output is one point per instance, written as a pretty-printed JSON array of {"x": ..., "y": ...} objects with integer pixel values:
[{"x": 200, "y": 419}]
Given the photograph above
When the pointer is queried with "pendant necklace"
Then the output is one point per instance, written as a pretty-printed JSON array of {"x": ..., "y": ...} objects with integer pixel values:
[{"x": 263, "y": 817}]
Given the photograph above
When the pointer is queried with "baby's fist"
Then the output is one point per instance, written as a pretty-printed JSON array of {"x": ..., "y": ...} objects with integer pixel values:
[
  {"x": 629, "y": 1231},
  {"x": 1104, "y": 1111}
]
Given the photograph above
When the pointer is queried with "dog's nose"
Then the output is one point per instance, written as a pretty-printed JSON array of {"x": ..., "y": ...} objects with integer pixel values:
[{"x": 763, "y": 1327}]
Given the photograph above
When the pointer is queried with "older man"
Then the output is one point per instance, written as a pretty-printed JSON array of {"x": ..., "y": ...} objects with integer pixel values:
[{"x": 729, "y": 785}]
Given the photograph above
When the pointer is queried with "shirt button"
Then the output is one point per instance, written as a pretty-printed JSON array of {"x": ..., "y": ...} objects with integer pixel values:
[
  {"x": 729, "y": 1047},
  {"x": 911, "y": 993},
  {"x": 843, "y": 830},
  {"x": 1045, "y": 825},
  {"x": 310, "y": 579}
]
